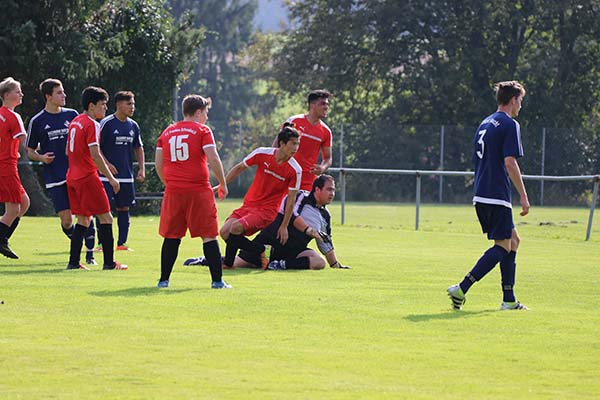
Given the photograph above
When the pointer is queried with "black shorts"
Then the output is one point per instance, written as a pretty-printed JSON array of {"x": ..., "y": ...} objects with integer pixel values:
[
  {"x": 268, "y": 236},
  {"x": 495, "y": 220}
]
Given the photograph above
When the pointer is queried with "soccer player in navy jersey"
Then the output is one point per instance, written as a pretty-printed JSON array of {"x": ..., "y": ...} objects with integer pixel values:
[
  {"x": 46, "y": 143},
  {"x": 497, "y": 145},
  {"x": 120, "y": 140}
]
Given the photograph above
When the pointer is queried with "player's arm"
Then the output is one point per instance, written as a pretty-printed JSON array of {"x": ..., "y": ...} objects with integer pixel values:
[
  {"x": 212, "y": 155},
  {"x": 113, "y": 170},
  {"x": 140, "y": 157},
  {"x": 101, "y": 165},
  {"x": 300, "y": 224},
  {"x": 45, "y": 158},
  {"x": 158, "y": 164},
  {"x": 282, "y": 232},
  {"x": 235, "y": 171},
  {"x": 327, "y": 160},
  {"x": 514, "y": 172}
]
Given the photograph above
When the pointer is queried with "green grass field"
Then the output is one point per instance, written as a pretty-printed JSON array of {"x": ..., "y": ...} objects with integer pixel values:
[{"x": 383, "y": 330}]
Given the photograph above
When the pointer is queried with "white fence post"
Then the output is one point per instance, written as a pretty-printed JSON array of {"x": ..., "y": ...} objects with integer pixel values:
[
  {"x": 593, "y": 207},
  {"x": 418, "y": 200}
]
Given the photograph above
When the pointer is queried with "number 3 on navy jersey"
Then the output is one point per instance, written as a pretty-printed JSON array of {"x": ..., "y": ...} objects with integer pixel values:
[
  {"x": 481, "y": 134},
  {"x": 179, "y": 148}
]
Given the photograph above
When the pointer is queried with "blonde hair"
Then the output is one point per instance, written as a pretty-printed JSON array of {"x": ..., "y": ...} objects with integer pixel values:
[{"x": 8, "y": 85}]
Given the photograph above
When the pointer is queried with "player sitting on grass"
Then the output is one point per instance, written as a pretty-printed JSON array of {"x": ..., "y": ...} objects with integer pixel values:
[{"x": 311, "y": 220}]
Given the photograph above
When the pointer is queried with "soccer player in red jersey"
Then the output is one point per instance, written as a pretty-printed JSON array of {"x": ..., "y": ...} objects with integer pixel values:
[
  {"x": 12, "y": 133},
  {"x": 86, "y": 193},
  {"x": 277, "y": 174},
  {"x": 316, "y": 138},
  {"x": 182, "y": 152}
]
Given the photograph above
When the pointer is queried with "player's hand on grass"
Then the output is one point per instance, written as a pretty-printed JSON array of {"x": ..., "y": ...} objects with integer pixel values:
[
  {"x": 47, "y": 158},
  {"x": 340, "y": 266},
  {"x": 282, "y": 235},
  {"x": 115, "y": 185}
]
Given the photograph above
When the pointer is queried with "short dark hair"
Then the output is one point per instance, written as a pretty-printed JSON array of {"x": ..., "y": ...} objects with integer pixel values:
[
  {"x": 320, "y": 181},
  {"x": 123, "y": 95},
  {"x": 194, "y": 102},
  {"x": 48, "y": 85},
  {"x": 93, "y": 94},
  {"x": 318, "y": 94},
  {"x": 507, "y": 90},
  {"x": 286, "y": 133}
]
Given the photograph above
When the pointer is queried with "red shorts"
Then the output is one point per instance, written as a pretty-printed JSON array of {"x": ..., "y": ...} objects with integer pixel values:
[
  {"x": 253, "y": 219},
  {"x": 11, "y": 190},
  {"x": 195, "y": 211},
  {"x": 87, "y": 196}
]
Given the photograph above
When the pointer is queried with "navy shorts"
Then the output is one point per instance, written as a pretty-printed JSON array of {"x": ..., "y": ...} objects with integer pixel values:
[
  {"x": 495, "y": 220},
  {"x": 125, "y": 197},
  {"x": 60, "y": 197}
]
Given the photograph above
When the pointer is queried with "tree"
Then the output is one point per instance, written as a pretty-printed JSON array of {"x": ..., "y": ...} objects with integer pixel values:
[
  {"x": 120, "y": 45},
  {"x": 394, "y": 64}
]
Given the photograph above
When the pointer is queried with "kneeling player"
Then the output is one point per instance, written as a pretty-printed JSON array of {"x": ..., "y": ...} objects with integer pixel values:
[{"x": 311, "y": 219}]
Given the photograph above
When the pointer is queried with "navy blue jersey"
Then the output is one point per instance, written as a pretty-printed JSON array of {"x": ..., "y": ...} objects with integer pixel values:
[
  {"x": 49, "y": 132},
  {"x": 497, "y": 137},
  {"x": 117, "y": 141}
]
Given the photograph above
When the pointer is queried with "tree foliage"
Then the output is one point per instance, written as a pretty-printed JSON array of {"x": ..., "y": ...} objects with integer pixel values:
[
  {"x": 395, "y": 64},
  {"x": 120, "y": 45}
]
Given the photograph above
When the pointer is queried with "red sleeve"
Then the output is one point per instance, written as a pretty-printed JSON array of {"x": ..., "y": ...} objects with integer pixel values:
[
  {"x": 17, "y": 128},
  {"x": 252, "y": 158},
  {"x": 327, "y": 139},
  {"x": 294, "y": 179},
  {"x": 207, "y": 137},
  {"x": 92, "y": 132}
]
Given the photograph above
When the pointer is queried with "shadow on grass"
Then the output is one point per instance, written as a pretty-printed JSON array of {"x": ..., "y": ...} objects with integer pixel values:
[
  {"x": 140, "y": 291},
  {"x": 28, "y": 269},
  {"x": 446, "y": 315},
  {"x": 229, "y": 272},
  {"x": 54, "y": 253}
]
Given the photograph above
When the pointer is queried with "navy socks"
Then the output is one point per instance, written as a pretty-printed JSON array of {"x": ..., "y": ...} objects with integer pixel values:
[
  {"x": 123, "y": 223},
  {"x": 508, "y": 269},
  {"x": 485, "y": 264}
]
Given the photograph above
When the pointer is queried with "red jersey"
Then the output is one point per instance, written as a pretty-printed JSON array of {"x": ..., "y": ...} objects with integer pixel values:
[
  {"x": 11, "y": 127},
  {"x": 313, "y": 138},
  {"x": 272, "y": 180},
  {"x": 185, "y": 165},
  {"x": 83, "y": 133}
]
